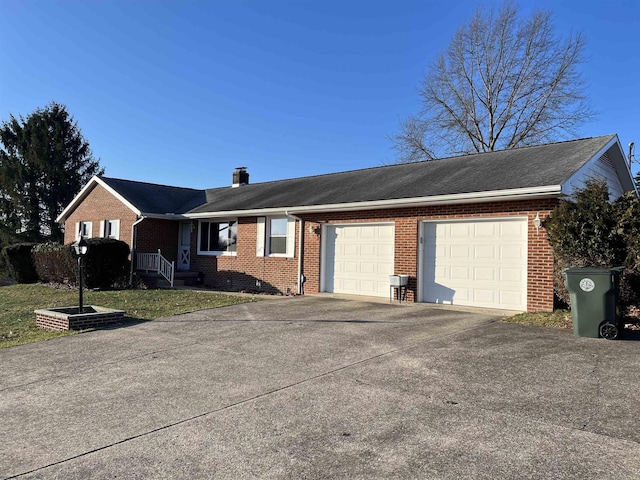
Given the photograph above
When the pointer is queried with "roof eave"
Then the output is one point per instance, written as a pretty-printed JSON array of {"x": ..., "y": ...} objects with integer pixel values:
[
  {"x": 622, "y": 168},
  {"x": 550, "y": 191},
  {"x": 95, "y": 180}
]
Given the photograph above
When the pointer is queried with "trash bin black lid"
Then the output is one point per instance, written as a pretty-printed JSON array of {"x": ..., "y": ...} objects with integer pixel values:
[{"x": 592, "y": 270}]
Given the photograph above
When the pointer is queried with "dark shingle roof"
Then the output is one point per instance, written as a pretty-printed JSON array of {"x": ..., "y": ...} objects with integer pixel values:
[
  {"x": 157, "y": 199},
  {"x": 538, "y": 166}
]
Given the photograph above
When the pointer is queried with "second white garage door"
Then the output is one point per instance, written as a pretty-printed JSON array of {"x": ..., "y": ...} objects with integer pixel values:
[
  {"x": 358, "y": 259},
  {"x": 481, "y": 263}
]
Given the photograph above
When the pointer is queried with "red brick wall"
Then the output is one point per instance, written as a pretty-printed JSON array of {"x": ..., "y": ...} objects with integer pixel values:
[
  {"x": 278, "y": 274},
  {"x": 153, "y": 234},
  {"x": 100, "y": 205},
  {"x": 243, "y": 270},
  {"x": 407, "y": 220}
]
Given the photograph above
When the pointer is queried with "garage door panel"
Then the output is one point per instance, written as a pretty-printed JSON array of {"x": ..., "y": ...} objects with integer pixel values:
[
  {"x": 351, "y": 250},
  {"x": 509, "y": 252},
  {"x": 512, "y": 229},
  {"x": 367, "y": 267},
  {"x": 511, "y": 298},
  {"x": 484, "y": 296},
  {"x": 476, "y": 262},
  {"x": 511, "y": 275},
  {"x": 460, "y": 273},
  {"x": 459, "y": 231},
  {"x": 359, "y": 259},
  {"x": 484, "y": 251},
  {"x": 385, "y": 269},
  {"x": 486, "y": 274},
  {"x": 457, "y": 252},
  {"x": 368, "y": 249},
  {"x": 351, "y": 267},
  {"x": 486, "y": 230},
  {"x": 386, "y": 232}
]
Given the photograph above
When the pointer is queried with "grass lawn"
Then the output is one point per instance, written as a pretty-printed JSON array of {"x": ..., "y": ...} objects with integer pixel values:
[
  {"x": 557, "y": 319},
  {"x": 17, "y": 303}
]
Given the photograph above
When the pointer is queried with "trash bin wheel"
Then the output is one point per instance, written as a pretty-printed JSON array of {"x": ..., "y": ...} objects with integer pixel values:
[{"x": 609, "y": 331}]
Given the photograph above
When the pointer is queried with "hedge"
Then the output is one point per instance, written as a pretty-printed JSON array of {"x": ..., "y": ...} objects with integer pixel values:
[
  {"x": 106, "y": 263},
  {"x": 18, "y": 262},
  {"x": 591, "y": 231},
  {"x": 55, "y": 262}
]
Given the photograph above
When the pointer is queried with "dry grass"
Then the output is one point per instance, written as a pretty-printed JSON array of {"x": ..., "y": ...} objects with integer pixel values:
[
  {"x": 17, "y": 303},
  {"x": 557, "y": 319}
]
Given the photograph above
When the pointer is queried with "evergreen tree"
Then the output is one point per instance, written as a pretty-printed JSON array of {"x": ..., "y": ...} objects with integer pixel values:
[{"x": 44, "y": 161}]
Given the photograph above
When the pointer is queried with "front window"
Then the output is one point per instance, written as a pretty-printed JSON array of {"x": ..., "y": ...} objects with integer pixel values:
[
  {"x": 218, "y": 237},
  {"x": 278, "y": 230}
]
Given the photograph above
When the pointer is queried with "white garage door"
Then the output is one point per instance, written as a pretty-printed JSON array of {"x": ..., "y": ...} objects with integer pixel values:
[
  {"x": 481, "y": 263},
  {"x": 358, "y": 259}
]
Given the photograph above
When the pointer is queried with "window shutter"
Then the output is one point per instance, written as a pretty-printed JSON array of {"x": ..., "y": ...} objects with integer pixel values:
[
  {"x": 260, "y": 233},
  {"x": 102, "y": 232},
  {"x": 77, "y": 230},
  {"x": 291, "y": 237}
]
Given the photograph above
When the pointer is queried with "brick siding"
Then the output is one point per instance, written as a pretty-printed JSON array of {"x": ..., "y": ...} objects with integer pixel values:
[
  {"x": 407, "y": 221},
  {"x": 153, "y": 234},
  {"x": 245, "y": 270},
  {"x": 100, "y": 205}
]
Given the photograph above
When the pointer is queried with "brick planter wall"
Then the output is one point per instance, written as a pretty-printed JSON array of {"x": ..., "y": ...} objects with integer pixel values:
[{"x": 65, "y": 319}]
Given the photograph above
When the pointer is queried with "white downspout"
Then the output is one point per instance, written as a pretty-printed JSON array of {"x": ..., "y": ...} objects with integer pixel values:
[
  {"x": 300, "y": 251},
  {"x": 133, "y": 250}
]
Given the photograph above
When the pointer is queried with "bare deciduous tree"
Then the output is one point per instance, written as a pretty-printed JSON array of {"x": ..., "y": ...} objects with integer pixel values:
[{"x": 504, "y": 82}]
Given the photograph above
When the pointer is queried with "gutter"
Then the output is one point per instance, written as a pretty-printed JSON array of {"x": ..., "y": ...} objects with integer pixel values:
[
  {"x": 300, "y": 252},
  {"x": 133, "y": 250}
]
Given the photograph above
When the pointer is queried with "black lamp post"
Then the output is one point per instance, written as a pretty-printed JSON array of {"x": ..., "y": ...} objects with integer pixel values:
[{"x": 81, "y": 247}]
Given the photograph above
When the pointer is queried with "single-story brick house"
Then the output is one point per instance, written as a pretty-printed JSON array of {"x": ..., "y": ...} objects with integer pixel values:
[{"x": 465, "y": 229}]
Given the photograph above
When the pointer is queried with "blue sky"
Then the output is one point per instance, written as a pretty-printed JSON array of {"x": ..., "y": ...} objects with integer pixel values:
[{"x": 182, "y": 92}]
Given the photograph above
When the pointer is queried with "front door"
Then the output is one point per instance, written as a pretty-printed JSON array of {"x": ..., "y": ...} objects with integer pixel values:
[{"x": 184, "y": 249}]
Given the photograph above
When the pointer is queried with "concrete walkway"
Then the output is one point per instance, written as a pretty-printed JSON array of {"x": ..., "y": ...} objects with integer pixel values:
[{"x": 317, "y": 387}]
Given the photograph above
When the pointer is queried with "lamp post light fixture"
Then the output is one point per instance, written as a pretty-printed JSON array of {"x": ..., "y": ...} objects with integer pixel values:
[{"x": 81, "y": 247}]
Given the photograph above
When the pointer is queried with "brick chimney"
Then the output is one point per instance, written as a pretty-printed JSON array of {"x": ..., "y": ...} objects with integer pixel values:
[{"x": 240, "y": 177}]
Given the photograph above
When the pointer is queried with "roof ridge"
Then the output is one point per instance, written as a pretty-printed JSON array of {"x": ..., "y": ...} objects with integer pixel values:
[{"x": 150, "y": 183}]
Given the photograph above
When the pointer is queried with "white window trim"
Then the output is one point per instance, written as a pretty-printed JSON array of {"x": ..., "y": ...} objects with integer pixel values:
[
  {"x": 216, "y": 253},
  {"x": 263, "y": 235},
  {"x": 116, "y": 228},
  {"x": 89, "y": 230}
]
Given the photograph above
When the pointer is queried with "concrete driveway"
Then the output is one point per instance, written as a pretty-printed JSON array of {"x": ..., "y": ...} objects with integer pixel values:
[{"x": 317, "y": 387}]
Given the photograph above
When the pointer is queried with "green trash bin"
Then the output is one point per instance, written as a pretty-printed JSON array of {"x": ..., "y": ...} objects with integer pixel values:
[{"x": 594, "y": 297}]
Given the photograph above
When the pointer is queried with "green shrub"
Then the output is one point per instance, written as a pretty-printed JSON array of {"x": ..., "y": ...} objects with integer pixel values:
[
  {"x": 591, "y": 231},
  {"x": 19, "y": 265},
  {"x": 107, "y": 263},
  {"x": 55, "y": 262}
]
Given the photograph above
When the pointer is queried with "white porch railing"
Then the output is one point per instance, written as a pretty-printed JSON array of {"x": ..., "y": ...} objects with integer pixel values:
[{"x": 155, "y": 262}]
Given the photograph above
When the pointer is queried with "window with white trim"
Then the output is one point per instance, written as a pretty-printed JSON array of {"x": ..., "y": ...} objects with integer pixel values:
[
  {"x": 217, "y": 238},
  {"x": 83, "y": 229},
  {"x": 275, "y": 237},
  {"x": 110, "y": 229}
]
